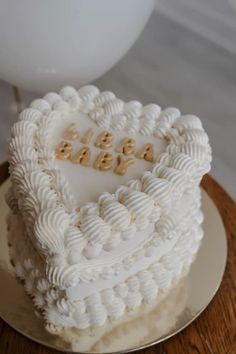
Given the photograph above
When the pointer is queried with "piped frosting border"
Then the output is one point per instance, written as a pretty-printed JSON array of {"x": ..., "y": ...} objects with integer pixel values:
[{"x": 42, "y": 194}]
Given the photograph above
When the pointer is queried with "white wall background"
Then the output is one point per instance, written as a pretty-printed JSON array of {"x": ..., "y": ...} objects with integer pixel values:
[{"x": 213, "y": 19}]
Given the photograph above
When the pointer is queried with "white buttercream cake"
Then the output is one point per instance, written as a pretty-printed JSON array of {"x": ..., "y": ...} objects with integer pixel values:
[{"x": 105, "y": 203}]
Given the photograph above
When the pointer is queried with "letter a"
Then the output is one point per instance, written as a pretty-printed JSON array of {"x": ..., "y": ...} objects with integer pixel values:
[{"x": 82, "y": 156}]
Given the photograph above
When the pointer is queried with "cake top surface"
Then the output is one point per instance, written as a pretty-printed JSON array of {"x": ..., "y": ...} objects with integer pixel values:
[
  {"x": 83, "y": 136},
  {"x": 90, "y": 171}
]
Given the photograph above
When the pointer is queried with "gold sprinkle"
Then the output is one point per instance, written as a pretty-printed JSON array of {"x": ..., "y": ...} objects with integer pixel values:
[
  {"x": 40, "y": 160},
  {"x": 133, "y": 219}
]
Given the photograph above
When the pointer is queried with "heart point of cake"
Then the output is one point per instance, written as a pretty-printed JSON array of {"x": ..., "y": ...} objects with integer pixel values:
[{"x": 105, "y": 205}]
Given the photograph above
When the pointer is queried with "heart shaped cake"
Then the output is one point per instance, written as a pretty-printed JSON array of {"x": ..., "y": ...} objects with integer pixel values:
[{"x": 105, "y": 203}]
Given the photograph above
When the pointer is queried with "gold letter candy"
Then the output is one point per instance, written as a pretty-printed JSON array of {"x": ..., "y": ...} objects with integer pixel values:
[
  {"x": 87, "y": 136},
  {"x": 146, "y": 153},
  {"x": 63, "y": 152},
  {"x": 127, "y": 146},
  {"x": 104, "y": 140},
  {"x": 71, "y": 132},
  {"x": 82, "y": 156},
  {"x": 103, "y": 161},
  {"x": 122, "y": 165}
]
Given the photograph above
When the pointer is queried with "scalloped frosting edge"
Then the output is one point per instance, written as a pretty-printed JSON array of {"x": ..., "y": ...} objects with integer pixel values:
[{"x": 43, "y": 196}]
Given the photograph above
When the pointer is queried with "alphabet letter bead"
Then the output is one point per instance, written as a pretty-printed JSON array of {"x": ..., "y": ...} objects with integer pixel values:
[
  {"x": 82, "y": 156},
  {"x": 123, "y": 164},
  {"x": 71, "y": 132},
  {"x": 103, "y": 161},
  {"x": 104, "y": 140},
  {"x": 127, "y": 146},
  {"x": 146, "y": 153},
  {"x": 87, "y": 136},
  {"x": 63, "y": 152}
]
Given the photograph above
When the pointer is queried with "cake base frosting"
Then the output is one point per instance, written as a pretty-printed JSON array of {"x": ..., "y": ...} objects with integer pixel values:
[
  {"x": 145, "y": 324},
  {"x": 60, "y": 309},
  {"x": 105, "y": 203}
]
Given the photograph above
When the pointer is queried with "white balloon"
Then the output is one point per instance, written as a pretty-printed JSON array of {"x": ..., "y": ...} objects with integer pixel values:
[{"x": 47, "y": 44}]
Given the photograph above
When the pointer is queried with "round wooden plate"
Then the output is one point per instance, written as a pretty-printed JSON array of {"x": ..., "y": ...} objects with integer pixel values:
[{"x": 213, "y": 332}]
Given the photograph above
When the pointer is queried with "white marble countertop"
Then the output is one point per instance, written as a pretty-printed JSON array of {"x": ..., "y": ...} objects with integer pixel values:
[{"x": 173, "y": 67}]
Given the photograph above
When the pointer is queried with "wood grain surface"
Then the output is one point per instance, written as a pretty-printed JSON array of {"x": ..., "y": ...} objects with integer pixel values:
[{"x": 214, "y": 332}]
